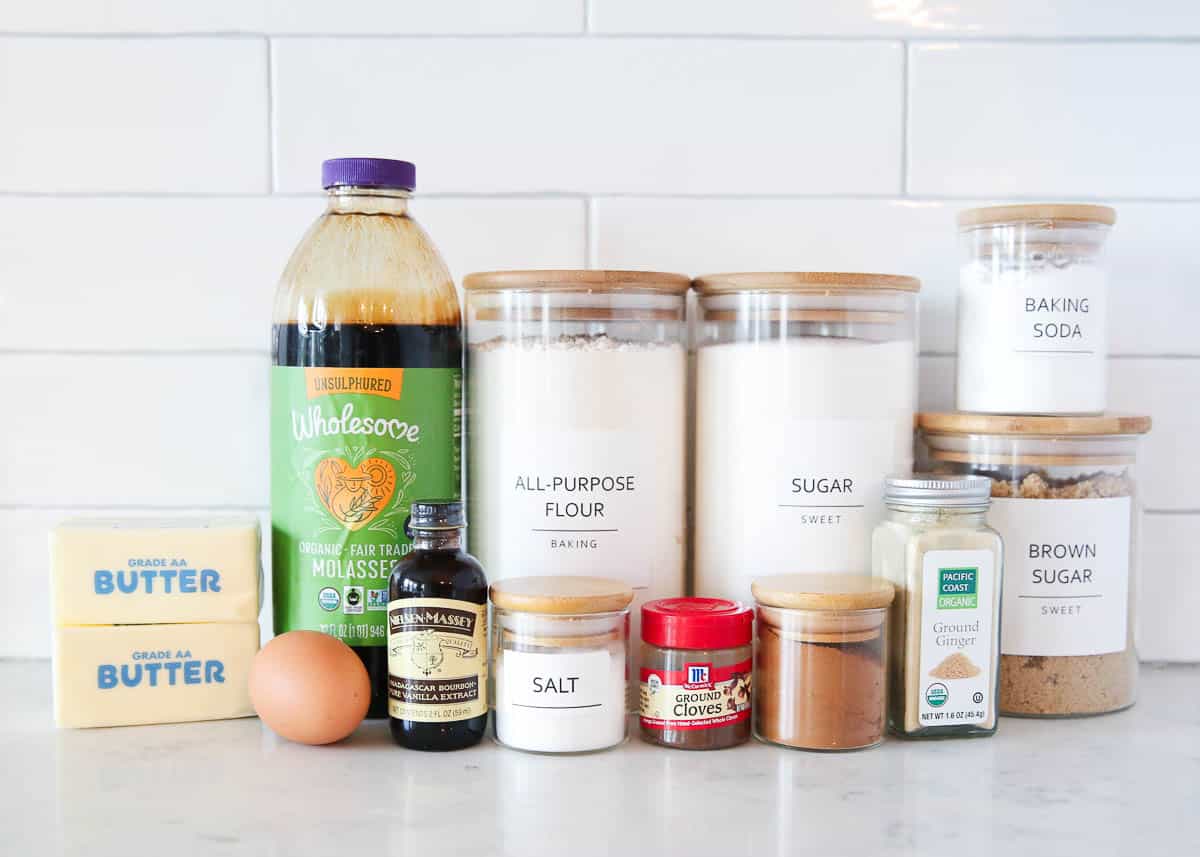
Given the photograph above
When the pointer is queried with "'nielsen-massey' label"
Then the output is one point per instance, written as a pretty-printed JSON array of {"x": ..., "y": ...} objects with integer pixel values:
[
  {"x": 699, "y": 696},
  {"x": 437, "y": 659},
  {"x": 350, "y": 450}
]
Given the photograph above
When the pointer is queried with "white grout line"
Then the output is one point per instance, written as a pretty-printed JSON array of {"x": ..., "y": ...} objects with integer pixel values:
[
  {"x": 915, "y": 38},
  {"x": 272, "y": 169},
  {"x": 905, "y": 125}
]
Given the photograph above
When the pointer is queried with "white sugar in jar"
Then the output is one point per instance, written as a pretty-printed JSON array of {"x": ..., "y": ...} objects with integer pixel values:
[
  {"x": 560, "y": 658},
  {"x": 805, "y": 390},
  {"x": 1033, "y": 309}
]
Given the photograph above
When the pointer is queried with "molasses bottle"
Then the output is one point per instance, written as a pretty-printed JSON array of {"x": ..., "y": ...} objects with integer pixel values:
[
  {"x": 366, "y": 393},
  {"x": 437, "y": 635}
]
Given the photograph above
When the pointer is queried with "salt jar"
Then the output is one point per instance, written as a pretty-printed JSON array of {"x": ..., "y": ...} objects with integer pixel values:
[
  {"x": 576, "y": 425},
  {"x": 1033, "y": 309},
  {"x": 805, "y": 391},
  {"x": 560, "y": 658}
]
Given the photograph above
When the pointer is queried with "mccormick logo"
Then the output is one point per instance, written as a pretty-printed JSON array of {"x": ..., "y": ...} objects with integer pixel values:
[
  {"x": 696, "y": 676},
  {"x": 958, "y": 588}
]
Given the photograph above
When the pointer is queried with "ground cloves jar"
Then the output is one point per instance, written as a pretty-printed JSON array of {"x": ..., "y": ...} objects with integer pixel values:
[
  {"x": 696, "y": 673},
  {"x": 820, "y": 680},
  {"x": 560, "y": 660}
]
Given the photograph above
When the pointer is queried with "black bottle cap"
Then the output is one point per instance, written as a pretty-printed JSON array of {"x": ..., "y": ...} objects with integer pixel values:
[{"x": 437, "y": 515}]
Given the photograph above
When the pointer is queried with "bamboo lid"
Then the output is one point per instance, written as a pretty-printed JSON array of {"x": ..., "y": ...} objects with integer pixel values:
[
  {"x": 993, "y": 214},
  {"x": 577, "y": 280},
  {"x": 823, "y": 591},
  {"x": 1009, "y": 424},
  {"x": 802, "y": 281},
  {"x": 561, "y": 595}
]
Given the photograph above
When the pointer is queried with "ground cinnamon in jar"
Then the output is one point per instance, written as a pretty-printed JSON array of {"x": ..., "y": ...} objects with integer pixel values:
[{"x": 820, "y": 664}]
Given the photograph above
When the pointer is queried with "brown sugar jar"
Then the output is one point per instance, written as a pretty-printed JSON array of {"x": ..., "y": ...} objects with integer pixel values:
[
  {"x": 820, "y": 672},
  {"x": 695, "y": 677}
]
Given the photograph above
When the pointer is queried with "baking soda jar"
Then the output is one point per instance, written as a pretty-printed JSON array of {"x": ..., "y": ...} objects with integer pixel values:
[
  {"x": 1033, "y": 309},
  {"x": 576, "y": 425},
  {"x": 805, "y": 389},
  {"x": 366, "y": 392}
]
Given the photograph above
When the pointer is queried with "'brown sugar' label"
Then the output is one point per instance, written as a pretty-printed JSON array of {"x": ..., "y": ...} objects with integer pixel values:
[
  {"x": 437, "y": 659},
  {"x": 699, "y": 696}
]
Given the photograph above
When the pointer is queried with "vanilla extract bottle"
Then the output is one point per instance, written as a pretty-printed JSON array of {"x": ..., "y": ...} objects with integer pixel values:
[{"x": 437, "y": 635}]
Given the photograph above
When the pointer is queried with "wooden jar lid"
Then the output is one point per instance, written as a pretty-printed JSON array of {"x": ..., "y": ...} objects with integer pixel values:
[
  {"x": 1007, "y": 424},
  {"x": 823, "y": 591},
  {"x": 802, "y": 281},
  {"x": 561, "y": 595},
  {"x": 577, "y": 280},
  {"x": 994, "y": 214}
]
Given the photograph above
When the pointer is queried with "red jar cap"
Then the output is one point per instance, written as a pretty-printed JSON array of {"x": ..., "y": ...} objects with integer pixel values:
[{"x": 696, "y": 623}]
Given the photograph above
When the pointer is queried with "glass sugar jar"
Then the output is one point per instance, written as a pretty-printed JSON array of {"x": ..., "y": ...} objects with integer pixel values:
[
  {"x": 1033, "y": 309},
  {"x": 805, "y": 392},
  {"x": 577, "y": 425},
  {"x": 1065, "y": 502},
  {"x": 820, "y": 663},
  {"x": 560, "y": 662},
  {"x": 696, "y": 673}
]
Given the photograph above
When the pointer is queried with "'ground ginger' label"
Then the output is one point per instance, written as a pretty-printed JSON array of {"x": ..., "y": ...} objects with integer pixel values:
[
  {"x": 437, "y": 659},
  {"x": 350, "y": 450}
]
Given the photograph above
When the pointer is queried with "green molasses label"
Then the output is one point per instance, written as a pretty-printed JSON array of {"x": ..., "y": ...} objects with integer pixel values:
[{"x": 350, "y": 450}]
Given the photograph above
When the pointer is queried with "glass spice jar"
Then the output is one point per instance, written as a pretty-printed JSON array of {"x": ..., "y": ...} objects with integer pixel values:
[
  {"x": 695, "y": 675},
  {"x": 560, "y": 661},
  {"x": 1065, "y": 501},
  {"x": 820, "y": 664}
]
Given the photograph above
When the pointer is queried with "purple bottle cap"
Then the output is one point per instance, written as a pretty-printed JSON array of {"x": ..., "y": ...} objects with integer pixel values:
[{"x": 368, "y": 172}]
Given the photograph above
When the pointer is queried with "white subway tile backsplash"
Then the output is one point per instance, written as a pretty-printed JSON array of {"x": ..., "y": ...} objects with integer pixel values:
[
  {"x": 1170, "y": 589},
  {"x": 163, "y": 430},
  {"x": 179, "y": 274},
  {"x": 1155, "y": 270},
  {"x": 26, "y": 569},
  {"x": 598, "y": 115},
  {"x": 134, "y": 115},
  {"x": 295, "y": 16},
  {"x": 1083, "y": 120},
  {"x": 907, "y": 18}
]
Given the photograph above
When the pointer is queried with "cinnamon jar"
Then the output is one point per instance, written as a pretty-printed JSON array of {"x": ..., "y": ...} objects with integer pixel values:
[
  {"x": 821, "y": 660},
  {"x": 695, "y": 675}
]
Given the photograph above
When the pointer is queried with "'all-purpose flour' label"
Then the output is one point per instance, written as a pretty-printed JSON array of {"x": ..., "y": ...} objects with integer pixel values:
[
  {"x": 958, "y": 636},
  {"x": 1066, "y": 582}
]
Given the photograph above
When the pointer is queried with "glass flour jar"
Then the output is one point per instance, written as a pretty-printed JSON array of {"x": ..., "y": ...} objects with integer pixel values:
[
  {"x": 1033, "y": 309},
  {"x": 576, "y": 425},
  {"x": 1064, "y": 500},
  {"x": 805, "y": 391},
  {"x": 560, "y": 662}
]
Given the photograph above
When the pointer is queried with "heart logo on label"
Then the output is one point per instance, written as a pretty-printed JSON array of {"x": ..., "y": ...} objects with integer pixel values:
[{"x": 355, "y": 495}]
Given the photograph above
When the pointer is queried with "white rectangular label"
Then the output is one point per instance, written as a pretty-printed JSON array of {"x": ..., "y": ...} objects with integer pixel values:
[
  {"x": 958, "y": 635},
  {"x": 1049, "y": 315},
  {"x": 1066, "y": 581},
  {"x": 562, "y": 702}
]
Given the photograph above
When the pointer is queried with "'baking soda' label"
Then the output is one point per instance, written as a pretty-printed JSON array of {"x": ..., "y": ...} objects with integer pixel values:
[
  {"x": 1049, "y": 315},
  {"x": 1066, "y": 581},
  {"x": 958, "y": 638},
  {"x": 699, "y": 696},
  {"x": 437, "y": 659},
  {"x": 350, "y": 450}
]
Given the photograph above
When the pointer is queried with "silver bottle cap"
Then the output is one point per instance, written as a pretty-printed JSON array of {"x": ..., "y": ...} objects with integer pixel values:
[{"x": 943, "y": 491}]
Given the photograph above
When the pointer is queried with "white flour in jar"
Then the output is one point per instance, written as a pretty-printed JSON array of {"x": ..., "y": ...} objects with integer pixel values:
[
  {"x": 793, "y": 441},
  {"x": 1032, "y": 340},
  {"x": 576, "y": 462}
]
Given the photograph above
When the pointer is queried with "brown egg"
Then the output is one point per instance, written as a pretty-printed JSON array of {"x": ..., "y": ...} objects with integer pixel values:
[{"x": 309, "y": 687}]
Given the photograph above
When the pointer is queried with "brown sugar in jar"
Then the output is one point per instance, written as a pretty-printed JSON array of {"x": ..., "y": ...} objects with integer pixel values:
[{"x": 820, "y": 663}]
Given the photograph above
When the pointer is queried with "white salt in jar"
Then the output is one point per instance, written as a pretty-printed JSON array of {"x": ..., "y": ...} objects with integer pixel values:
[
  {"x": 1033, "y": 309},
  {"x": 560, "y": 659},
  {"x": 805, "y": 390},
  {"x": 576, "y": 425}
]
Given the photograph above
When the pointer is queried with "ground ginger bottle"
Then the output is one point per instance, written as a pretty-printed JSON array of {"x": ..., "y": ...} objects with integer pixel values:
[{"x": 366, "y": 390}]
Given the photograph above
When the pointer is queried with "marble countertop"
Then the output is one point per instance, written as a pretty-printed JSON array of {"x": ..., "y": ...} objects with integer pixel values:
[{"x": 1125, "y": 784}]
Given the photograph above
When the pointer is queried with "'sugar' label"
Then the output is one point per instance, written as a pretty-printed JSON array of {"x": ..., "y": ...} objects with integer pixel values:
[
  {"x": 350, "y": 450},
  {"x": 1066, "y": 580}
]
